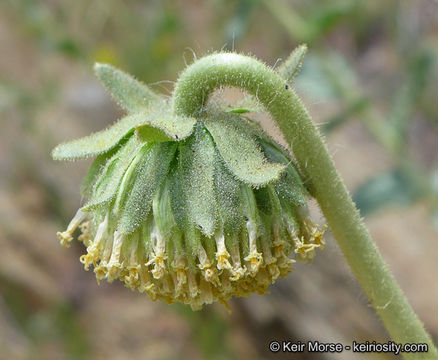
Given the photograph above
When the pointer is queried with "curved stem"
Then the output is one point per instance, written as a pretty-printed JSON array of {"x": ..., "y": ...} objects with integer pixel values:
[{"x": 191, "y": 93}]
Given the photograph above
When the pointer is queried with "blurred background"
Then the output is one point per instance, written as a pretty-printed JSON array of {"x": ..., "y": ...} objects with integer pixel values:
[{"x": 369, "y": 80}]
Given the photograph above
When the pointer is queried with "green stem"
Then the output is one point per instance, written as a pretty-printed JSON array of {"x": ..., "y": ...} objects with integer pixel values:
[{"x": 191, "y": 93}]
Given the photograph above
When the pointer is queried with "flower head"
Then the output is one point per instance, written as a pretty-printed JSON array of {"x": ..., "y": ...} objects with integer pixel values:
[{"x": 187, "y": 210}]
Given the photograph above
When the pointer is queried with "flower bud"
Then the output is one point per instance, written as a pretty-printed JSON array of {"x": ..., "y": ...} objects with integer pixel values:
[{"x": 188, "y": 210}]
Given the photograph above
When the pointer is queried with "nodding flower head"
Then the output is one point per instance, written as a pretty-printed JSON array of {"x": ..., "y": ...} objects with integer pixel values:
[{"x": 190, "y": 210}]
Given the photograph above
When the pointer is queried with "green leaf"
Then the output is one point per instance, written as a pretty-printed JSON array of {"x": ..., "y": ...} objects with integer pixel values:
[
  {"x": 156, "y": 125},
  {"x": 290, "y": 68},
  {"x": 99, "y": 142},
  {"x": 268, "y": 202},
  {"x": 177, "y": 195},
  {"x": 391, "y": 187},
  {"x": 263, "y": 200},
  {"x": 290, "y": 186},
  {"x": 162, "y": 210},
  {"x": 249, "y": 204},
  {"x": 246, "y": 105},
  {"x": 240, "y": 152},
  {"x": 142, "y": 182},
  {"x": 239, "y": 111},
  {"x": 228, "y": 199},
  {"x": 164, "y": 126},
  {"x": 107, "y": 183},
  {"x": 131, "y": 94},
  {"x": 94, "y": 172},
  {"x": 197, "y": 168}
]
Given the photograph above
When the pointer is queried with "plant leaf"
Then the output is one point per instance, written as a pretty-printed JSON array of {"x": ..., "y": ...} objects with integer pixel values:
[
  {"x": 290, "y": 186},
  {"x": 162, "y": 209},
  {"x": 130, "y": 94},
  {"x": 94, "y": 172},
  {"x": 249, "y": 204},
  {"x": 239, "y": 111},
  {"x": 196, "y": 163},
  {"x": 290, "y": 68},
  {"x": 263, "y": 200},
  {"x": 99, "y": 142},
  {"x": 141, "y": 183},
  {"x": 228, "y": 199},
  {"x": 150, "y": 126},
  {"x": 248, "y": 104},
  {"x": 240, "y": 152},
  {"x": 107, "y": 182},
  {"x": 164, "y": 126}
]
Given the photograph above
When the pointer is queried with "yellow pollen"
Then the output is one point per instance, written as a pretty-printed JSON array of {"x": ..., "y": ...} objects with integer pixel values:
[
  {"x": 181, "y": 276},
  {"x": 316, "y": 233},
  {"x": 93, "y": 250},
  {"x": 222, "y": 255},
  {"x": 206, "y": 293},
  {"x": 100, "y": 271},
  {"x": 85, "y": 233},
  {"x": 87, "y": 260},
  {"x": 66, "y": 237},
  {"x": 158, "y": 256},
  {"x": 159, "y": 268},
  {"x": 146, "y": 283},
  {"x": 254, "y": 258},
  {"x": 114, "y": 266},
  {"x": 237, "y": 271},
  {"x": 305, "y": 251},
  {"x": 193, "y": 286},
  {"x": 278, "y": 247},
  {"x": 207, "y": 267},
  {"x": 274, "y": 271},
  {"x": 132, "y": 280}
]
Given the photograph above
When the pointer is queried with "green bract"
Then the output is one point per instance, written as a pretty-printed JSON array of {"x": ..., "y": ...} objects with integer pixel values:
[{"x": 188, "y": 209}]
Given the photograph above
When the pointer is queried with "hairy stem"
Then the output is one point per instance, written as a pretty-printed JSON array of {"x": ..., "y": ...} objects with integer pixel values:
[{"x": 191, "y": 93}]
